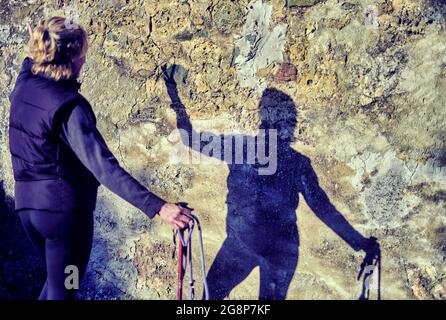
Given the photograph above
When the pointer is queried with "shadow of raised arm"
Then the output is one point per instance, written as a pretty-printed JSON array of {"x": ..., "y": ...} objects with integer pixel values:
[{"x": 189, "y": 136}]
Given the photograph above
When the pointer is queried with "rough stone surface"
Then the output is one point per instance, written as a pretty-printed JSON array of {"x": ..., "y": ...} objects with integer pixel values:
[
  {"x": 301, "y": 3},
  {"x": 369, "y": 95}
]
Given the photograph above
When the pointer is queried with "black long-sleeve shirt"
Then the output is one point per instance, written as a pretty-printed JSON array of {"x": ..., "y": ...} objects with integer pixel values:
[{"x": 80, "y": 133}]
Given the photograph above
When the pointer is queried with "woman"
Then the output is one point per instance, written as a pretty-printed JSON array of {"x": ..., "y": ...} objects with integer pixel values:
[{"x": 59, "y": 157}]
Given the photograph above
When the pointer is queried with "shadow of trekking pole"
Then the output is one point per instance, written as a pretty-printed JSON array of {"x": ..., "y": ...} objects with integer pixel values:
[{"x": 370, "y": 264}]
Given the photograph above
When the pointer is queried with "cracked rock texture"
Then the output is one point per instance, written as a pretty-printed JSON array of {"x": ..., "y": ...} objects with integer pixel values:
[{"x": 368, "y": 80}]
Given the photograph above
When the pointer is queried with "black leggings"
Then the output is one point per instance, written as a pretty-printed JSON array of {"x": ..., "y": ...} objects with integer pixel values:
[{"x": 61, "y": 239}]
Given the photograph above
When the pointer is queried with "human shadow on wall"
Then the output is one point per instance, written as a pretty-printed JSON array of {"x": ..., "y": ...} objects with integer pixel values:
[
  {"x": 440, "y": 5},
  {"x": 261, "y": 219},
  {"x": 442, "y": 2}
]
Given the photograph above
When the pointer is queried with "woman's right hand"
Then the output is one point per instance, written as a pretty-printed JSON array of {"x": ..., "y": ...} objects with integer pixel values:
[{"x": 175, "y": 215}]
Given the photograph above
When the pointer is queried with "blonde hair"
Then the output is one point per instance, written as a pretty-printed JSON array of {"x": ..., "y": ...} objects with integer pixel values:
[{"x": 54, "y": 48}]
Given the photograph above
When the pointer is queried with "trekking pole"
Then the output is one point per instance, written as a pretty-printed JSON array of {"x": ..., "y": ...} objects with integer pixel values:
[
  {"x": 185, "y": 259},
  {"x": 180, "y": 269},
  {"x": 203, "y": 262},
  {"x": 183, "y": 253}
]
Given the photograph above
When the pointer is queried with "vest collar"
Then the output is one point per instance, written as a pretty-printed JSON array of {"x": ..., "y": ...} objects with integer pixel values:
[{"x": 71, "y": 83}]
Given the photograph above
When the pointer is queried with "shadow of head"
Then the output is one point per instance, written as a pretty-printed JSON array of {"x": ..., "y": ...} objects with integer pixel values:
[
  {"x": 438, "y": 4},
  {"x": 278, "y": 111}
]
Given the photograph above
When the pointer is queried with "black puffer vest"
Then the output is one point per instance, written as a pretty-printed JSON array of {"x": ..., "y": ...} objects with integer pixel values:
[{"x": 36, "y": 149}]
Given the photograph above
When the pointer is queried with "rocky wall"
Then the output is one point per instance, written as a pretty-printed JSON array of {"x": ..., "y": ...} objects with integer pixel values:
[{"x": 366, "y": 81}]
